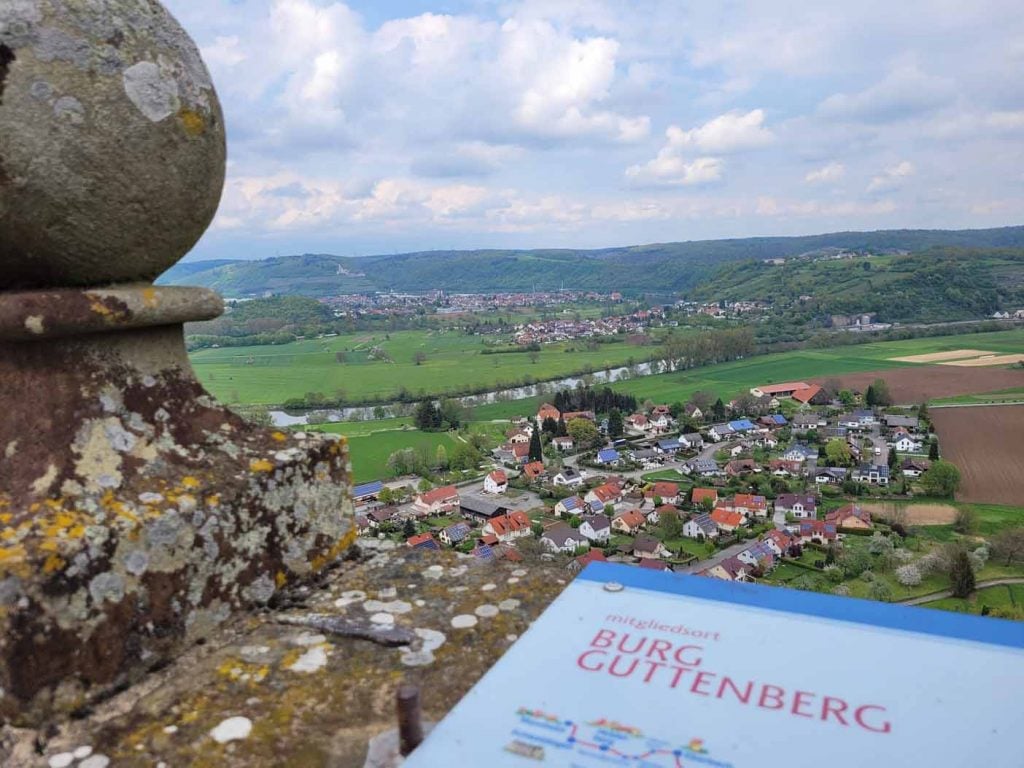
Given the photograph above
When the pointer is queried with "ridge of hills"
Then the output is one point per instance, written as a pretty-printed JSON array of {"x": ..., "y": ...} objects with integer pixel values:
[{"x": 957, "y": 273}]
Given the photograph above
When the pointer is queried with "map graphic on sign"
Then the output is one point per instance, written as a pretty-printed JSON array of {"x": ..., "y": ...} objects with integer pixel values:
[
  {"x": 642, "y": 669},
  {"x": 597, "y": 742}
]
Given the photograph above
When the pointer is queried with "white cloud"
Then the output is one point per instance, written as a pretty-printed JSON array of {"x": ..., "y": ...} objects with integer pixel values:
[
  {"x": 827, "y": 174},
  {"x": 225, "y": 51},
  {"x": 892, "y": 177},
  {"x": 731, "y": 132},
  {"x": 675, "y": 163},
  {"x": 671, "y": 168},
  {"x": 902, "y": 93},
  {"x": 772, "y": 207}
]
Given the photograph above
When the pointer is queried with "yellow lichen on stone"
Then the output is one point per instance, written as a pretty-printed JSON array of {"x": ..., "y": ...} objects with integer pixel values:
[
  {"x": 334, "y": 552},
  {"x": 192, "y": 122},
  {"x": 190, "y": 482},
  {"x": 279, "y": 436},
  {"x": 261, "y": 465},
  {"x": 280, "y": 578}
]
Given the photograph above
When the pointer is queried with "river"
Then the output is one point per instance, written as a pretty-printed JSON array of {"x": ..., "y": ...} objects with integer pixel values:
[{"x": 391, "y": 410}]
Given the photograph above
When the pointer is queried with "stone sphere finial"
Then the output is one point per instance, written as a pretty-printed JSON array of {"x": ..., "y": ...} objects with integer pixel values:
[{"x": 112, "y": 145}]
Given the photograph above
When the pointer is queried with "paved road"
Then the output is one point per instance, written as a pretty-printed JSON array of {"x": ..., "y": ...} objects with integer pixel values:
[
  {"x": 715, "y": 559},
  {"x": 708, "y": 452},
  {"x": 878, "y": 443},
  {"x": 949, "y": 593}
]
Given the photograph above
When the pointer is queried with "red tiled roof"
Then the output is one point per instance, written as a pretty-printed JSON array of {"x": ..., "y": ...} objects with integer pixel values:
[
  {"x": 789, "y": 386},
  {"x": 702, "y": 494},
  {"x": 534, "y": 469},
  {"x": 725, "y": 517},
  {"x": 607, "y": 492},
  {"x": 547, "y": 410},
  {"x": 804, "y": 395},
  {"x": 439, "y": 494},
  {"x": 749, "y": 501},
  {"x": 664, "y": 490},
  {"x": 633, "y": 519},
  {"x": 499, "y": 476}
]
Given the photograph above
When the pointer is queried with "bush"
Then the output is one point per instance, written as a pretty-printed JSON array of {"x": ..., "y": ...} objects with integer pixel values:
[
  {"x": 908, "y": 575},
  {"x": 880, "y": 591},
  {"x": 867, "y": 576},
  {"x": 842, "y": 590},
  {"x": 834, "y": 573}
]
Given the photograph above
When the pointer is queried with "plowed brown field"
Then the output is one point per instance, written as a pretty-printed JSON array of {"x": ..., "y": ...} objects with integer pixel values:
[
  {"x": 924, "y": 382},
  {"x": 987, "y": 444}
]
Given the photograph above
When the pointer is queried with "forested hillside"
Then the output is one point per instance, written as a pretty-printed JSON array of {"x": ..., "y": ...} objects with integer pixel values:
[
  {"x": 664, "y": 268},
  {"x": 934, "y": 285}
]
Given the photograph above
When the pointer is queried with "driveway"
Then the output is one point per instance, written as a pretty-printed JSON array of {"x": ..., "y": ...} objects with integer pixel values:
[{"x": 723, "y": 554}]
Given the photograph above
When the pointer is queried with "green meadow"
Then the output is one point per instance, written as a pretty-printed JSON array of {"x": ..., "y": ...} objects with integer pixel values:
[
  {"x": 270, "y": 375},
  {"x": 727, "y": 380},
  {"x": 370, "y": 449}
]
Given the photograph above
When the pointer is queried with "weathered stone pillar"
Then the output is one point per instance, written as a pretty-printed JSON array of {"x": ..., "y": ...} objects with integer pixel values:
[{"x": 136, "y": 513}]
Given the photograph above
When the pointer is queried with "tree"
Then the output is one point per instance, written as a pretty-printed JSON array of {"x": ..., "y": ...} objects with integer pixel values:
[
  {"x": 933, "y": 449},
  {"x": 942, "y": 479},
  {"x": 452, "y": 414},
  {"x": 832, "y": 387},
  {"x": 893, "y": 460},
  {"x": 701, "y": 399},
  {"x": 615, "y": 423},
  {"x": 340, "y": 357},
  {"x": 881, "y": 390},
  {"x": 534, "y": 356},
  {"x": 669, "y": 524},
  {"x": 838, "y": 452},
  {"x": 966, "y": 519},
  {"x": 464, "y": 456},
  {"x": 536, "y": 449},
  {"x": 583, "y": 432},
  {"x": 869, "y": 396},
  {"x": 419, "y": 358},
  {"x": 961, "y": 575},
  {"x": 922, "y": 412},
  {"x": 425, "y": 485},
  {"x": 846, "y": 397},
  {"x": 385, "y": 496},
  {"x": 550, "y": 427},
  {"x": 718, "y": 410},
  {"x": 1008, "y": 545},
  {"x": 409, "y": 529},
  {"x": 441, "y": 457},
  {"x": 427, "y": 416}
]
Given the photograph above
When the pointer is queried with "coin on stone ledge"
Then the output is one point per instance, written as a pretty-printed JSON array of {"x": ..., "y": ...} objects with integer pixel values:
[{"x": 112, "y": 144}]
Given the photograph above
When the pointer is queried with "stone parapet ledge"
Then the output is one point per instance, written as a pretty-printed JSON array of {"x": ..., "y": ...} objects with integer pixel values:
[
  {"x": 60, "y": 313},
  {"x": 277, "y": 689}
]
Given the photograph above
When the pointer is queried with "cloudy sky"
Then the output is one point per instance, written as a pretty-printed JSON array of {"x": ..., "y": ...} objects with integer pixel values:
[{"x": 380, "y": 126}]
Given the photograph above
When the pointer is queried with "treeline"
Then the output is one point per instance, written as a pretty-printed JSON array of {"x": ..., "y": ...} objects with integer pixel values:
[
  {"x": 436, "y": 417},
  {"x": 599, "y": 401},
  {"x": 694, "y": 350}
]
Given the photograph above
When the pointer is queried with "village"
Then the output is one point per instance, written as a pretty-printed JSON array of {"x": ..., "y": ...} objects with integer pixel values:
[{"x": 776, "y": 482}]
